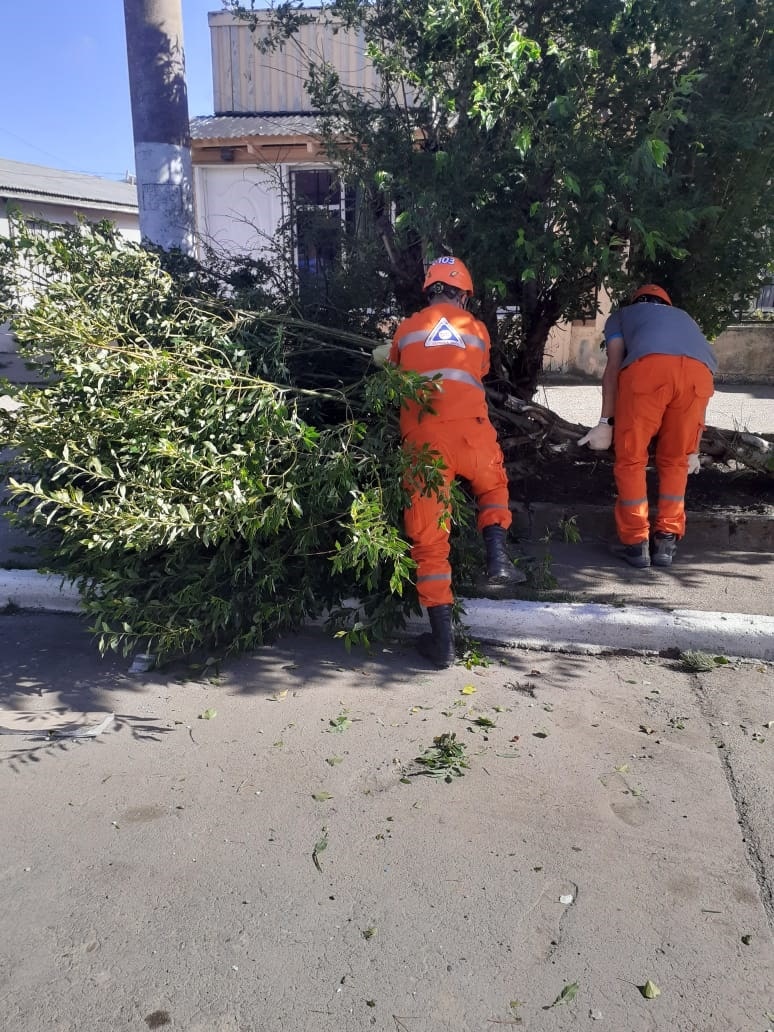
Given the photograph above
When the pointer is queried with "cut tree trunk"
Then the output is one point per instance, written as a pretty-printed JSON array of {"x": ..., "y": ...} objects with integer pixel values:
[{"x": 529, "y": 432}]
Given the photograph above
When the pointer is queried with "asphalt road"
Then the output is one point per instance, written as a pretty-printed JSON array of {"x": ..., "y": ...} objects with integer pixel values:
[{"x": 255, "y": 847}]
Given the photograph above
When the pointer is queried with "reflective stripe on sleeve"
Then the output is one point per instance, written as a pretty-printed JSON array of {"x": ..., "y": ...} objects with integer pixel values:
[{"x": 418, "y": 337}]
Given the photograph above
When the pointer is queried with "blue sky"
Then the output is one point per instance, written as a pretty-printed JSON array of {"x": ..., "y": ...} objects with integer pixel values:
[{"x": 64, "y": 86}]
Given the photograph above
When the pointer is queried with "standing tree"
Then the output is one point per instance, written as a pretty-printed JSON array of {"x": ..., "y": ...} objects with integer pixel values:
[{"x": 558, "y": 148}]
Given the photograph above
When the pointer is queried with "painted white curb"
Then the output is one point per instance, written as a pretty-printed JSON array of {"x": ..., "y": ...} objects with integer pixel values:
[
  {"x": 572, "y": 626},
  {"x": 556, "y": 624},
  {"x": 29, "y": 589}
]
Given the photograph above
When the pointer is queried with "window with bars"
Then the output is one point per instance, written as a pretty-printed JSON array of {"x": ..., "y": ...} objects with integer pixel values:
[{"x": 323, "y": 209}]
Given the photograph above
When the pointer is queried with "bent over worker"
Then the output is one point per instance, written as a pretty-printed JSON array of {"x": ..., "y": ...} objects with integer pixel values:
[
  {"x": 657, "y": 381},
  {"x": 445, "y": 339}
]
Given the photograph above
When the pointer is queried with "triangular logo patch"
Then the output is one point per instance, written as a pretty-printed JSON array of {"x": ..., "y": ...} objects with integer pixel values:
[{"x": 442, "y": 335}]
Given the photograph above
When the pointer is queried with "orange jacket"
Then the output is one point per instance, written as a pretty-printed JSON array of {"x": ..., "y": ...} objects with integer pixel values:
[{"x": 445, "y": 339}]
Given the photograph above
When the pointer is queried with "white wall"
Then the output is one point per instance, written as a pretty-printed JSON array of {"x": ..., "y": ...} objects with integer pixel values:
[
  {"x": 238, "y": 207},
  {"x": 127, "y": 223}
]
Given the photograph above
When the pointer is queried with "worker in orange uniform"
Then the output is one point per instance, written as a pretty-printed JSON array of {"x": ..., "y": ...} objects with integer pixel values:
[
  {"x": 657, "y": 381},
  {"x": 445, "y": 340}
]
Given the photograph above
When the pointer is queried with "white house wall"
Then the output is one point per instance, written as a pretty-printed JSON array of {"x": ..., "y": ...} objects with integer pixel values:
[
  {"x": 238, "y": 207},
  {"x": 127, "y": 223}
]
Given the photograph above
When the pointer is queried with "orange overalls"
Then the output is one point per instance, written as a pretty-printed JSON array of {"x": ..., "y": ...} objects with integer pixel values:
[
  {"x": 446, "y": 339},
  {"x": 665, "y": 395}
]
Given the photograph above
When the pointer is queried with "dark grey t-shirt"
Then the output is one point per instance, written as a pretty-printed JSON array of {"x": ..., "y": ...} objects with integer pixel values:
[{"x": 652, "y": 329}]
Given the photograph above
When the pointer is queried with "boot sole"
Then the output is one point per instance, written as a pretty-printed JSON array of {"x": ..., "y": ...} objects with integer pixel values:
[{"x": 661, "y": 560}]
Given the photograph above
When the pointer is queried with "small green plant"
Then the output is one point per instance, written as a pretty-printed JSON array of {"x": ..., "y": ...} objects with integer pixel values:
[
  {"x": 472, "y": 655},
  {"x": 446, "y": 759},
  {"x": 697, "y": 662},
  {"x": 539, "y": 572},
  {"x": 568, "y": 527}
]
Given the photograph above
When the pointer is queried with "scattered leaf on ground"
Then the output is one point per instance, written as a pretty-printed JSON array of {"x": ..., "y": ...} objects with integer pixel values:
[
  {"x": 340, "y": 723},
  {"x": 279, "y": 696},
  {"x": 322, "y": 797},
  {"x": 468, "y": 690},
  {"x": 332, "y": 761},
  {"x": 567, "y": 994},
  {"x": 209, "y": 714},
  {"x": 747, "y": 939},
  {"x": 650, "y": 990},
  {"x": 623, "y": 769},
  {"x": 320, "y": 846},
  {"x": 484, "y": 722},
  {"x": 369, "y": 933},
  {"x": 540, "y": 734}
]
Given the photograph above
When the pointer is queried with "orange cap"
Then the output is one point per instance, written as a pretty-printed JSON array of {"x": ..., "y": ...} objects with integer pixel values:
[{"x": 653, "y": 290}]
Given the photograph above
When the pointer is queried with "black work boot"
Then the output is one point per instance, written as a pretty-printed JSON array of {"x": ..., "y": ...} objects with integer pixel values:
[
  {"x": 499, "y": 568},
  {"x": 438, "y": 646},
  {"x": 663, "y": 548},
  {"x": 635, "y": 555}
]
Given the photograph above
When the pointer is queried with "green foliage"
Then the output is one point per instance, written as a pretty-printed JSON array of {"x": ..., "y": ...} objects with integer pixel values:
[
  {"x": 558, "y": 149},
  {"x": 212, "y": 475},
  {"x": 695, "y": 661},
  {"x": 446, "y": 759}
]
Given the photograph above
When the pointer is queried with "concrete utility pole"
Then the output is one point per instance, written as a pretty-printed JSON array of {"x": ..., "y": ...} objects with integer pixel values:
[{"x": 162, "y": 143}]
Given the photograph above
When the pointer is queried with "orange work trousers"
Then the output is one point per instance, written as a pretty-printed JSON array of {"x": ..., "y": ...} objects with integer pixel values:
[
  {"x": 664, "y": 395},
  {"x": 469, "y": 449}
]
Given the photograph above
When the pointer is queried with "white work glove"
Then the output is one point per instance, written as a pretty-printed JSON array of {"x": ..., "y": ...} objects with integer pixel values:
[
  {"x": 599, "y": 438},
  {"x": 694, "y": 466},
  {"x": 380, "y": 354}
]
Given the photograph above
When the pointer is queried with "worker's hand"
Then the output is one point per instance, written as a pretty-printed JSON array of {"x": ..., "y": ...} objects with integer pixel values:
[
  {"x": 380, "y": 354},
  {"x": 599, "y": 438},
  {"x": 694, "y": 466}
]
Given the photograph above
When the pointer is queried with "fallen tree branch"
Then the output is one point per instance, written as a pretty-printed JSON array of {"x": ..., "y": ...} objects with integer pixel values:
[{"x": 529, "y": 433}]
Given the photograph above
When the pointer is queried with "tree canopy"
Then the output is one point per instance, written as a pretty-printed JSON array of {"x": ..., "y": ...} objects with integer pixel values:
[{"x": 558, "y": 149}]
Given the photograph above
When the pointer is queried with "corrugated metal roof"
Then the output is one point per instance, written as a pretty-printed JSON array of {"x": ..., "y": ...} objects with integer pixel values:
[
  {"x": 21, "y": 181},
  {"x": 231, "y": 127}
]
